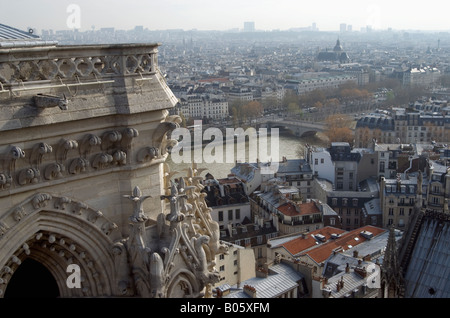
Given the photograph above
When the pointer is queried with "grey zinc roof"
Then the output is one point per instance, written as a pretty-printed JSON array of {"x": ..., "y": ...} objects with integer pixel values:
[
  {"x": 352, "y": 281},
  {"x": 428, "y": 272},
  {"x": 373, "y": 207},
  {"x": 281, "y": 279},
  {"x": 12, "y": 37},
  {"x": 275, "y": 242},
  {"x": 374, "y": 247},
  {"x": 10, "y": 33},
  {"x": 293, "y": 166}
]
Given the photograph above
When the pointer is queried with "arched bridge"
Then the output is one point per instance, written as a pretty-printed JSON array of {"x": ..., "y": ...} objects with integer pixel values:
[{"x": 297, "y": 127}]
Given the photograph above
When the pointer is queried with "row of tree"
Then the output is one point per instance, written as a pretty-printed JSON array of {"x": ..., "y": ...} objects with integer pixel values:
[
  {"x": 243, "y": 112},
  {"x": 338, "y": 128},
  {"x": 350, "y": 92}
]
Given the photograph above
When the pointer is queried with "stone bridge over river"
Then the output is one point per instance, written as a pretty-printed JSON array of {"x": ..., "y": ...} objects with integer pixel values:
[{"x": 297, "y": 127}]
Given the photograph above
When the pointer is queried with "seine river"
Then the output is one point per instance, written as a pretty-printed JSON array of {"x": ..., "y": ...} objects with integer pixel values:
[{"x": 289, "y": 146}]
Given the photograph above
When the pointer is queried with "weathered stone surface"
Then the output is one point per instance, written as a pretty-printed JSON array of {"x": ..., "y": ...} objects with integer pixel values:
[{"x": 64, "y": 172}]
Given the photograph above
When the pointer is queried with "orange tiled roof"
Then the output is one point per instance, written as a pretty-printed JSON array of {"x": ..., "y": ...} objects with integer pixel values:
[
  {"x": 289, "y": 209},
  {"x": 301, "y": 244},
  {"x": 346, "y": 241},
  {"x": 319, "y": 253}
]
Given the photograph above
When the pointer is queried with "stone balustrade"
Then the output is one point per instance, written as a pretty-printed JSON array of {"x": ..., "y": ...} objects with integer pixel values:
[{"x": 20, "y": 66}]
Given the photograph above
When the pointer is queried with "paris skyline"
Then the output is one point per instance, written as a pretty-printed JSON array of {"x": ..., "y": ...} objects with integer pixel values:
[{"x": 224, "y": 15}]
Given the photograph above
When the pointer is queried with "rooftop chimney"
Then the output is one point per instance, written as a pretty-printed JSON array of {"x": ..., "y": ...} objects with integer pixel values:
[{"x": 250, "y": 291}]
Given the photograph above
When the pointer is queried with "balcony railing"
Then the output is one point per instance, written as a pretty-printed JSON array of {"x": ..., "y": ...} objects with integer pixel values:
[{"x": 300, "y": 222}]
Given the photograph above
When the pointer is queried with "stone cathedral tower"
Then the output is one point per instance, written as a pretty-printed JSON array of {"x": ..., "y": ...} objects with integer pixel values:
[{"x": 84, "y": 188}]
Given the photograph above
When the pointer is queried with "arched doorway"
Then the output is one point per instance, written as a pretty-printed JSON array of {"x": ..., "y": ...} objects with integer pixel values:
[
  {"x": 56, "y": 233},
  {"x": 32, "y": 280}
]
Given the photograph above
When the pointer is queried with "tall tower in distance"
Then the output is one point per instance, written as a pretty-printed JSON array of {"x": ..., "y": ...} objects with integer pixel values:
[{"x": 249, "y": 26}]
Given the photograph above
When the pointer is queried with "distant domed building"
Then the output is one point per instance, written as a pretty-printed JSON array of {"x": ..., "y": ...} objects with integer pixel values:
[{"x": 337, "y": 55}]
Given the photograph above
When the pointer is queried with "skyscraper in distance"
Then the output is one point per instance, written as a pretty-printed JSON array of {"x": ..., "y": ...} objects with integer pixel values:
[{"x": 249, "y": 26}]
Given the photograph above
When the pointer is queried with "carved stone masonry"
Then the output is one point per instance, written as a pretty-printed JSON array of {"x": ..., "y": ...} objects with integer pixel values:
[
  {"x": 63, "y": 65},
  {"x": 160, "y": 140},
  {"x": 57, "y": 169},
  {"x": 117, "y": 144},
  {"x": 182, "y": 258},
  {"x": 45, "y": 101},
  {"x": 8, "y": 161},
  {"x": 87, "y": 143},
  {"x": 138, "y": 199}
]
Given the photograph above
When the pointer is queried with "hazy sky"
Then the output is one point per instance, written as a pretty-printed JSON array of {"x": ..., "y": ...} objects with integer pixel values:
[{"x": 223, "y": 15}]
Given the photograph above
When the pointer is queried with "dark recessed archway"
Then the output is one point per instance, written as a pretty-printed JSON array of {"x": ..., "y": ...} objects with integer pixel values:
[{"x": 32, "y": 280}]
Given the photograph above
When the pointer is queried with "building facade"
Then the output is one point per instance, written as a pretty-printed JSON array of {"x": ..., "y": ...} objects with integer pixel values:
[
  {"x": 402, "y": 126},
  {"x": 196, "y": 106},
  {"x": 230, "y": 205}
]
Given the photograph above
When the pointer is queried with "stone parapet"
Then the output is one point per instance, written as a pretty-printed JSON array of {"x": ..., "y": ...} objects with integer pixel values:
[
  {"x": 25, "y": 65},
  {"x": 48, "y": 85}
]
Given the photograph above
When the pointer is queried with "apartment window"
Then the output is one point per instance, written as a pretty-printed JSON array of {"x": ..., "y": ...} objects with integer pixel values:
[
  {"x": 260, "y": 254},
  {"x": 230, "y": 215},
  {"x": 238, "y": 214},
  {"x": 322, "y": 160},
  {"x": 391, "y": 211},
  {"x": 259, "y": 239},
  {"x": 220, "y": 216},
  {"x": 222, "y": 268}
]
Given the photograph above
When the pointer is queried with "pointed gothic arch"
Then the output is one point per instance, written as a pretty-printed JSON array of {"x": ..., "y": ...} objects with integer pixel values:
[
  {"x": 183, "y": 283},
  {"x": 57, "y": 231}
]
